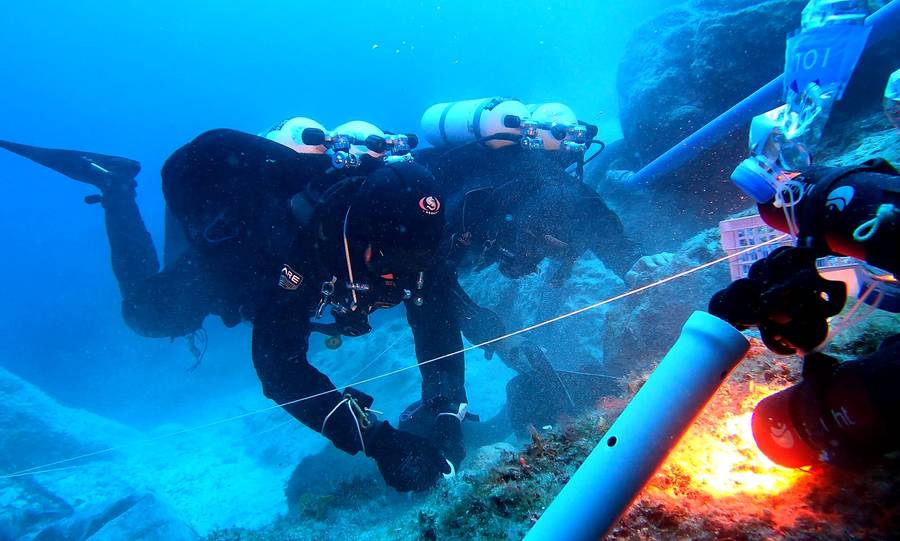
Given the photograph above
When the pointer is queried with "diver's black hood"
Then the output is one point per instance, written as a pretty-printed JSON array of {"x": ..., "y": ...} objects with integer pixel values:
[
  {"x": 396, "y": 213},
  {"x": 399, "y": 206}
]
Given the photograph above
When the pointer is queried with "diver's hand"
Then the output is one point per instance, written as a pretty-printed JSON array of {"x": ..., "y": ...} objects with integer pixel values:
[
  {"x": 647, "y": 265},
  {"x": 406, "y": 461},
  {"x": 440, "y": 422},
  {"x": 447, "y": 435}
]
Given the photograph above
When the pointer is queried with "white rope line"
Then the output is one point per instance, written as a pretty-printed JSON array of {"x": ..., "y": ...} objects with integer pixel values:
[
  {"x": 41, "y": 469},
  {"x": 380, "y": 355},
  {"x": 587, "y": 374}
]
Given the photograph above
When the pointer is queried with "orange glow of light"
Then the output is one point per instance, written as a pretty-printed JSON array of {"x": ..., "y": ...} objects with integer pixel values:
[{"x": 719, "y": 457}]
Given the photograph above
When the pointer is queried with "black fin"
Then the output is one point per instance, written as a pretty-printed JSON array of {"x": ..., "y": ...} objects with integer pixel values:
[{"x": 95, "y": 169}]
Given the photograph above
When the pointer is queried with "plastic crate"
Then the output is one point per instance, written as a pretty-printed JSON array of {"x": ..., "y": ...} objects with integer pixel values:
[{"x": 741, "y": 233}]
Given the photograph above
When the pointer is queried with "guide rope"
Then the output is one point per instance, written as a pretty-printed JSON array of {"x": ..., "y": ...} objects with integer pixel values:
[{"x": 51, "y": 466}]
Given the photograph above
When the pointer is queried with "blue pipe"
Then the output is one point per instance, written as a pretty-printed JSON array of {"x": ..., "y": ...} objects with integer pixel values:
[
  {"x": 884, "y": 22},
  {"x": 644, "y": 434}
]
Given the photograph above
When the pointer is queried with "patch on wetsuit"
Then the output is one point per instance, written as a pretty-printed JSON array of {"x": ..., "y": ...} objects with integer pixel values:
[{"x": 289, "y": 279}]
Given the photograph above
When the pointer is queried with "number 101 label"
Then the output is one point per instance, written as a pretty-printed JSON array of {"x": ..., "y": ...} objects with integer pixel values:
[{"x": 825, "y": 56}]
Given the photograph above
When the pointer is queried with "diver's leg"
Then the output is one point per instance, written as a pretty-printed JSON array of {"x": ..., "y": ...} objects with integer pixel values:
[
  {"x": 537, "y": 393},
  {"x": 132, "y": 253},
  {"x": 99, "y": 170}
]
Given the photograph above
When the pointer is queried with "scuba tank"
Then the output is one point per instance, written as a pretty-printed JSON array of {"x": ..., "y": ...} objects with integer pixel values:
[
  {"x": 359, "y": 130},
  {"x": 460, "y": 122},
  {"x": 290, "y": 134},
  {"x": 502, "y": 122},
  {"x": 558, "y": 127},
  {"x": 353, "y": 142}
]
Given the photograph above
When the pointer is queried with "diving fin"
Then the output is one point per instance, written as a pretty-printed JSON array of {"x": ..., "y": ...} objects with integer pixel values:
[{"x": 98, "y": 170}]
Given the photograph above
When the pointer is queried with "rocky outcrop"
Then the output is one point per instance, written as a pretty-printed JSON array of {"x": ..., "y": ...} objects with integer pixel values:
[
  {"x": 687, "y": 66},
  {"x": 70, "y": 500},
  {"x": 137, "y": 517},
  {"x": 691, "y": 63},
  {"x": 37, "y": 430},
  {"x": 639, "y": 330}
]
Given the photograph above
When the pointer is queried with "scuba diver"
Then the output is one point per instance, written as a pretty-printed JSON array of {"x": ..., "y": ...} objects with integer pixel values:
[
  {"x": 516, "y": 207},
  {"x": 370, "y": 243},
  {"x": 515, "y": 198},
  {"x": 518, "y": 190},
  {"x": 536, "y": 376},
  {"x": 843, "y": 412}
]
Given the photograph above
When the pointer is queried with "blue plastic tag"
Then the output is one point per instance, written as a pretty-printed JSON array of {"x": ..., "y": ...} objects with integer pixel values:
[{"x": 826, "y": 56}]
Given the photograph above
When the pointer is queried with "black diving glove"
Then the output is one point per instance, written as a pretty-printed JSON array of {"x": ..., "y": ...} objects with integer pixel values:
[
  {"x": 406, "y": 461},
  {"x": 447, "y": 435},
  {"x": 440, "y": 422}
]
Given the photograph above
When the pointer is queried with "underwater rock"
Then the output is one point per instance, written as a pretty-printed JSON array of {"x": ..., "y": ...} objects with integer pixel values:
[
  {"x": 137, "y": 517},
  {"x": 38, "y": 430},
  {"x": 489, "y": 455},
  {"x": 26, "y": 507},
  {"x": 689, "y": 64},
  {"x": 318, "y": 474},
  {"x": 640, "y": 329},
  {"x": 570, "y": 343},
  {"x": 874, "y": 137},
  {"x": 674, "y": 76},
  {"x": 68, "y": 499}
]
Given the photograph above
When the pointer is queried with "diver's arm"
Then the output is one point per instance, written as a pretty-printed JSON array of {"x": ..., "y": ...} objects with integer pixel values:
[
  {"x": 480, "y": 325},
  {"x": 436, "y": 332},
  {"x": 477, "y": 324},
  {"x": 280, "y": 345}
]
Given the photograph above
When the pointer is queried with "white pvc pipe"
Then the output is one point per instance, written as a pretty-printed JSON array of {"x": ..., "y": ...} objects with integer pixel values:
[{"x": 641, "y": 438}]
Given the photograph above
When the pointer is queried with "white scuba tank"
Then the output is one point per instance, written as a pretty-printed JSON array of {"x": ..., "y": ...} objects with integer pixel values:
[
  {"x": 289, "y": 133},
  {"x": 549, "y": 114},
  {"x": 460, "y": 122},
  {"x": 360, "y": 129}
]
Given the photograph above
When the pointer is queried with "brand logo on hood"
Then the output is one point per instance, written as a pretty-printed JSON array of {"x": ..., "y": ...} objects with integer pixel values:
[
  {"x": 840, "y": 198},
  {"x": 782, "y": 436},
  {"x": 430, "y": 205}
]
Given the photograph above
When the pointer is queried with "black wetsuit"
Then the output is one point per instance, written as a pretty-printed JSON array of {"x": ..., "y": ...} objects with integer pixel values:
[
  {"x": 281, "y": 332},
  {"x": 226, "y": 277},
  {"x": 516, "y": 207},
  {"x": 237, "y": 282}
]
